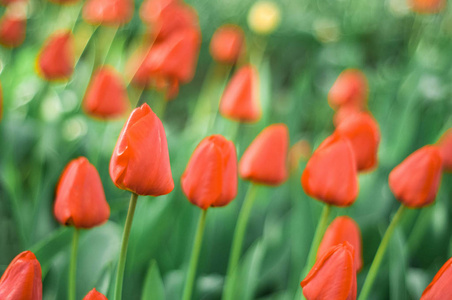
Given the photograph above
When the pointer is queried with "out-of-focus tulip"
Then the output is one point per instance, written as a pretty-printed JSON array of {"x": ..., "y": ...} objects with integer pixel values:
[
  {"x": 265, "y": 160},
  {"x": 301, "y": 150},
  {"x": 363, "y": 133},
  {"x": 343, "y": 229},
  {"x": 106, "y": 96},
  {"x": 140, "y": 161},
  {"x": 22, "y": 279},
  {"x": 13, "y": 26},
  {"x": 227, "y": 44},
  {"x": 56, "y": 60},
  {"x": 440, "y": 287},
  {"x": 210, "y": 178},
  {"x": 427, "y": 6},
  {"x": 264, "y": 17},
  {"x": 331, "y": 174},
  {"x": 94, "y": 295},
  {"x": 8, "y": 2},
  {"x": 415, "y": 181},
  {"x": 333, "y": 276},
  {"x": 80, "y": 198},
  {"x": 108, "y": 12},
  {"x": 64, "y": 2},
  {"x": 445, "y": 147},
  {"x": 345, "y": 112},
  {"x": 350, "y": 88},
  {"x": 240, "y": 100}
]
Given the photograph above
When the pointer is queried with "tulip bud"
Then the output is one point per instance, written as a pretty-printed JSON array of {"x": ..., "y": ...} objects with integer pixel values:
[
  {"x": 440, "y": 287},
  {"x": 227, "y": 44},
  {"x": 350, "y": 88},
  {"x": 264, "y": 17},
  {"x": 240, "y": 100},
  {"x": 445, "y": 147},
  {"x": 106, "y": 96},
  {"x": 265, "y": 160},
  {"x": 22, "y": 279},
  {"x": 140, "y": 161},
  {"x": 415, "y": 181},
  {"x": 56, "y": 60},
  {"x": 108, "y": 12},
  {"x": 427, "y": 6},
  {"x": 333, "y": 276},
  {"x": 345, "y": 112},
  {"x": 364, "y": 135},
  {"x": 80, "y": 198},
  {"x": 13, "y": 25},
  {"x": 330, "y": 174},
  {"x": 210, "y": 178},
  {"x": 343, "y": 229},
  {"x": 94, "y": 295},
  {"x": 300, "y": 151}
]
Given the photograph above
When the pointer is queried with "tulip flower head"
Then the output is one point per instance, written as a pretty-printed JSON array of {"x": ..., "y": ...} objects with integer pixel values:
[
  {"x": 331, "y": 173},
  {"x": 440, "y": 287},
  {"x": 56, "y": 60},
  {"x": 264, "y": 17},
  {"x": 265, "y": 160},
  {"x": 106, "y": 96},
  {"x": 227, "y": 44},
  {"x": 94, "y": 295},
  {"x": 343, "y": 229},
  {"x": 345, "y": 112},
  {"x": 80, "y": 198},
  {"x": 333, "y": 276},
  {"x": 140, "y": 161},
  {"x": 240, "y": 100},
  {"x": 108, "y": 12},
  {"x": 9, "y": 2},
  {"x": 210, "y": 178},
  {"x": 13, "y": 25},
  {"x": 445, "y": 147},
  {"x": 427, "y": 6},
  {"x": 350, "y": 88},
  {"x": 415, "y": 181},
  {"x": 22, "y": 280}
]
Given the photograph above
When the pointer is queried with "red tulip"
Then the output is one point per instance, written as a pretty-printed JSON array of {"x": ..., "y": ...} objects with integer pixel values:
[
  {"x": 415, "y": 181},
  {"x": 445, "y": 147},
  {"x": 350, "y": 88},
  {"x": 210, "y": 178},
  {"x": 106, "y": 96},
  {"x": 140, "y": 161},
  {"x": 363, "y": 133},
  {"x": 94, "y": 295},
  {"x": 427, "y": 6},
  {"x": 56, "y": 60},
  {"x": 12, "y": 30},
  {"x": 240, "y": 100},
  {"x": 333, "y": 276},
  {"x": 22, "y": 279},
  {"x": 330, "y": 174},
  {"x": 108, "y": 12},
  {"x": 227, "y": 44},
  {"x": 8, "y": 2},
  {"x": 265, "y": 160},
  {"x": 440, "y": 287},
  {"x": 345, "y": 112},
  {"x": 80, "y": 198},
  {"x": 343, "y": 229}
]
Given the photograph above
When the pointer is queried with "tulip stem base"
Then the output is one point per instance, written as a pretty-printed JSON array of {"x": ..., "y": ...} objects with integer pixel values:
[
  {"x": 73, "y": 266},
  {"x": 237, "y": 242},
  {"x": 125, "y": 243},
  {"x": 373, "y": 271},
  {"x": 195, "y": 256}
]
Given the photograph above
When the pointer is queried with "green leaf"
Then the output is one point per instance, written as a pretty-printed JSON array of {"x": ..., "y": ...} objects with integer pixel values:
[
  {"x": 153, "y": 285},
  {"x": 249, "y": 271}
]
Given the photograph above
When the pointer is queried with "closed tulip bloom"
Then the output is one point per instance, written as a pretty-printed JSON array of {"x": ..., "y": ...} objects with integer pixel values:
[
  {"x": 343, "y": 229},
  {"x": 12, "y": 30},
  {"x": 345, "y": 112},
  {"x": 331, "y": 174},
  {"x": 94, "y": 295},
  {"x": 427, "y": 6},
  {"x": 80, "y": 198},
  {"x": 240, "y": 100},
  {"x": 333, "y": 276},
  {"x": 265, "y": 160},
  {"x": 106, "y": 96},
  {"x": 56, "y": 60},
  {"x": 440, "y": 287},
  {"x": 210, "y": 178},
  {"x": 350, "y": 88},
  {"x": 22, "y": 279},
  {"x": 364, "y": 135},
  {"x": 227, "y": 44},
  {"x": 445, "y": 147},
  {"x": 8, "y": 2},
  {"x": 415, "y": 181},
  {"x": 140, "y": 161},
  {"x": 108, "y": 12}
]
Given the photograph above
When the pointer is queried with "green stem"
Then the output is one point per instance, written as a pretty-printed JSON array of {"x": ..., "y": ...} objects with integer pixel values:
[
  {"x": 125, "y": 242},
  {"x": 373, "y": 271},
  {"x": 195, "y": 256},
  {"x": 73, "y": 265},
  {"x": 237, "y": 242}
]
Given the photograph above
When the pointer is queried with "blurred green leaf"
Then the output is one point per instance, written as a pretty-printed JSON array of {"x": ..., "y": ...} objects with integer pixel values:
[{"x": 153, "y": 285}]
